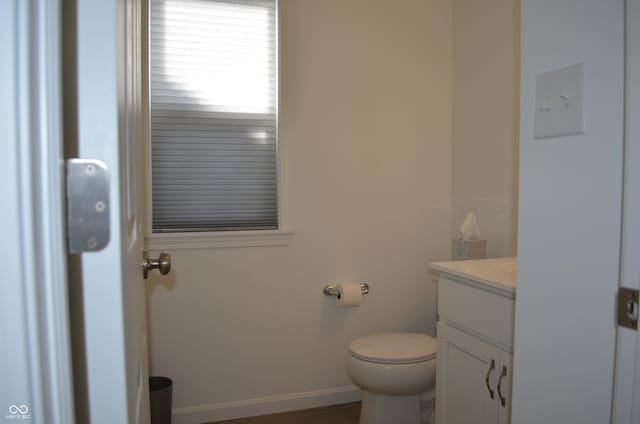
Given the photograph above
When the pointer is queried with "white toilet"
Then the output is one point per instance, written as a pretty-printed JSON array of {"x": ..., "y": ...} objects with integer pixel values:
[{"x": 392, "y": 369}]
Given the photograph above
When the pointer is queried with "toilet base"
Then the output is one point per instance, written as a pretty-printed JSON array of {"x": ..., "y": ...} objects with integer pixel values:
[{"x": 383, "y": 409}]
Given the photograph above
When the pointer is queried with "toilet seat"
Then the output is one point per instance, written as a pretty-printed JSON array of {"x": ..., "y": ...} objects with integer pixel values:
[{"x": 394, "y": 348}]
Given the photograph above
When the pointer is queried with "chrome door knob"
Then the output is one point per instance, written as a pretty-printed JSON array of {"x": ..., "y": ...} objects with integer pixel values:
[{"x": 162, "y": 264}]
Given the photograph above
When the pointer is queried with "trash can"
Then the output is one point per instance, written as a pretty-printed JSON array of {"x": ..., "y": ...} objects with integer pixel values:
[{"x": 160, "y": 399}]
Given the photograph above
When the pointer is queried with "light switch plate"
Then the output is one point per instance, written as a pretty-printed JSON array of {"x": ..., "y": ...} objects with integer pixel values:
[{"x": 560, "y": 108}]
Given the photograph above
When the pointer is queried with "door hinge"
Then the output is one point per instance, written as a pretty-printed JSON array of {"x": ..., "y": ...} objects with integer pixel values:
[
  {"x": 87, "y": 205},
  {"x": 628, "y": 308}
]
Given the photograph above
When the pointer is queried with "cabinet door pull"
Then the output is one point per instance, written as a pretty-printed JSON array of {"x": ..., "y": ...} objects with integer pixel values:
[
  {"x": 492, "y": 366},
  {"x": 503, "y": 374}
]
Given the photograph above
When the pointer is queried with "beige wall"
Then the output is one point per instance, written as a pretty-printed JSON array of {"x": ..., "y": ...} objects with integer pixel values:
[
  {"x": 485, "y": 119},
  {"x": 366, "y": 125}
]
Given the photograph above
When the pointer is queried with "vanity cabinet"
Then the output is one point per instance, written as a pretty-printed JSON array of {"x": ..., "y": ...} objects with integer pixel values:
[{"x": 475, "y": 347}]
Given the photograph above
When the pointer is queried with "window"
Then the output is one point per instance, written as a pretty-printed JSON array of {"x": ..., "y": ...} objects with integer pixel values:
[{"x": 213, "y": 115}]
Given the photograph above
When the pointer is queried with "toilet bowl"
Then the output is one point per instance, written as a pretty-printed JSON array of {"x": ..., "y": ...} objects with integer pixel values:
[{"x": 392, "y": 369}]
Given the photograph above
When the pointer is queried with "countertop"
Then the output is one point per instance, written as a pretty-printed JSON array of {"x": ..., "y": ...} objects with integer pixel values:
[{"x": 499, "y": 273}]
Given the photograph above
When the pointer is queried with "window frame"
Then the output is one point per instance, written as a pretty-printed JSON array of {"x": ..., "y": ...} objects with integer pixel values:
[{"x": 211, "y": 239}]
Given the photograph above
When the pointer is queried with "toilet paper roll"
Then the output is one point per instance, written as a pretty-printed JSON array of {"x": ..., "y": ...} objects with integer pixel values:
[{"x": 350, "y": 294}]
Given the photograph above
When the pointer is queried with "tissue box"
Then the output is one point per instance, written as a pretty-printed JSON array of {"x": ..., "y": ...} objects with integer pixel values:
[{"x": 468, "y": 249}]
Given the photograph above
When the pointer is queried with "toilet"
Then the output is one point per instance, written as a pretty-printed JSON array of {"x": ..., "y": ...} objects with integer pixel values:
[{"x": 393, "y": 370}]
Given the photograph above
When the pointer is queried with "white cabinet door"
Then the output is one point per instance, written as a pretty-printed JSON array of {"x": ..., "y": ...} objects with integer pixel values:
[{"x": 464, "y": 362}]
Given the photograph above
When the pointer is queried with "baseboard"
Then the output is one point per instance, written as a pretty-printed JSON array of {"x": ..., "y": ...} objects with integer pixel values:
[{"x": 265, "y": 405}]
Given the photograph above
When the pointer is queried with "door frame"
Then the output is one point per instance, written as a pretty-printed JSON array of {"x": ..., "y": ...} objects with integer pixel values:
[
  {"x": 35, "y": 313},
  {"x": 626, "y": 392}
]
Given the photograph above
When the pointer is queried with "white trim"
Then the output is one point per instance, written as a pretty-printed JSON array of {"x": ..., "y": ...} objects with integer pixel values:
[
  {"x": 50, "y": 237},
  {"x": 220, "y": 239},
  {"x": 265, "y": 405},
  {"x": 35, "y": 312},
  {"x": 626, "y": 392}
]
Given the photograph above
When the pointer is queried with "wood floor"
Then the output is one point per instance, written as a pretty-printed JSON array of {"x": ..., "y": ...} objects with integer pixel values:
[{"x": 347, "y": 413}]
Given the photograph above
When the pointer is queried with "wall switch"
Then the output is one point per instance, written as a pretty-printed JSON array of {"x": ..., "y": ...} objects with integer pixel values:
[{"x": 560, "y": 102}]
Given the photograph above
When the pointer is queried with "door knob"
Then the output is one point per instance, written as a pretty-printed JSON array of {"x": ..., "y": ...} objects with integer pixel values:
[{"x": 162, "y": 264}]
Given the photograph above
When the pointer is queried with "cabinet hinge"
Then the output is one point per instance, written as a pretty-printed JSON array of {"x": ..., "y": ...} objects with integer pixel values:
[
  {"x": 628, "y": 308},
  {"x": 87, "y": 205}
]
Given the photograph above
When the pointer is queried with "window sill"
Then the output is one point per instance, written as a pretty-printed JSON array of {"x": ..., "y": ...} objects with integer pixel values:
[{"x": 218, "y": 239}]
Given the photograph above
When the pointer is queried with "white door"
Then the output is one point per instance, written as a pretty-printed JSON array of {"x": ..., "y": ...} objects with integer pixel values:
[{"x": 103, "y": 102}]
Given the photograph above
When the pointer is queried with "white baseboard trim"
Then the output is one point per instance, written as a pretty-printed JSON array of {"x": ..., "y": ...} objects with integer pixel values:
[{"x": 265, "y": 405}]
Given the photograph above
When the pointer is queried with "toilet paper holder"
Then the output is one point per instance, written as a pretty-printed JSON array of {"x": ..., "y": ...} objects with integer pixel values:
[{"x": 330, "y": 290}]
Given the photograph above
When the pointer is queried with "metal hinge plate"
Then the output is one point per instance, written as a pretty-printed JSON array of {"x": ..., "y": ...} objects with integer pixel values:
[
  {"x": 87, "y": 205},
  {"x": 628, "y": 308}
]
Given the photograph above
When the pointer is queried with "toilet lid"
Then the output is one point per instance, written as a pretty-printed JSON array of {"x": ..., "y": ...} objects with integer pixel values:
[{"x": 394, "y": 348}]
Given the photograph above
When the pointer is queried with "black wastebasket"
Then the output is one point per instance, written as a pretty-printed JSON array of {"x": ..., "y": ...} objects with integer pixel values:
[{"x": 160, "y": 399}]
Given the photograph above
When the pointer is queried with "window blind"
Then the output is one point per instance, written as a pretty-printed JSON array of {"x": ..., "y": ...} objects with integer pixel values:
[{"x": 213, "y": 114}]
